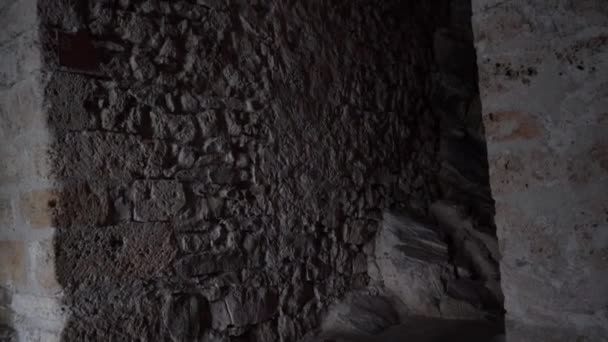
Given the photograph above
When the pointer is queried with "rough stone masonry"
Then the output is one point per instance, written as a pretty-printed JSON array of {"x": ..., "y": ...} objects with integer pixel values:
[
  {"x": 230, "y": 160},
  {"x": 216, "y": 170},
  {"x": 210, "y": 169}
]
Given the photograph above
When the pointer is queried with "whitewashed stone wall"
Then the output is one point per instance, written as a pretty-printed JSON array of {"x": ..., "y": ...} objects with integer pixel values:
[{"x": 543, "y": 75}]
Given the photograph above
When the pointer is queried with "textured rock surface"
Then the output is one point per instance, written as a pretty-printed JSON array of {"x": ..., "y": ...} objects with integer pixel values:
[
  {"x": 215, "y": 170},
  {"x": 230, "y": 160},
  {"x": 543, "y": 72},
  {"x": 414, "y": 264}
]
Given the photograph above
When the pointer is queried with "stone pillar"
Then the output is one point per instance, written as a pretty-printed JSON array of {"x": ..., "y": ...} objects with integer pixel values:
[
  {"x": 29, "y": 292},
  {"x": 543, "y": 72}
]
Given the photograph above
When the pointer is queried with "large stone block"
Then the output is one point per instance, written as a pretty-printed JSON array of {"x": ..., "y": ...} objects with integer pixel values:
[
  {"x": 74, "y": 204},
  {"x": 42, "y": 266},
  {"x": 67, "y": 96},
  {"x": 21, "y": 109},
  {"x": 82, "y": 204},
  {"x": 158, "y": 200},
  {"x": 116, "y": 253},
  {"x": 19, "y": 169},
  {"x": 13, "y": 272},
  {"x": 28, "y": 333},
  {"x": 540, "y": 93},
  {"x": 17, "y": 17},
  {"x": 20, "y": 57},
  {"x": 85, "y": 156},
  {"x": 37, "y": 207},
  {"x": 39, "y": 312}
]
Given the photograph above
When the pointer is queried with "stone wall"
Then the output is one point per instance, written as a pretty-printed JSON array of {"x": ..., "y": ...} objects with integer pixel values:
[
  {"x": 29, "y": 292},
  {"x": 543, "y": 71},
  {"x": 219, "y": 166}
]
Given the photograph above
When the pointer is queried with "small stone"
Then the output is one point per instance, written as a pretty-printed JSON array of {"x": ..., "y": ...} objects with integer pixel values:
[
  {"x": 222, "y": 174},
  {"x": 169, "y": 102},
  {"x": 167, "y": 52},
  {"x": 173, "y": 127},
  {"x": 142, "y": 67},
  {"x": 198, "y": 265},
  {"x": 361, "y": 314},
  {"x": 134, "y": 28},
  {"x": 190, "y": 243},
  {"x": 242, "y": 160},
  {"x": 122, "y": 209},
  {"x": 186, "y": 158},
  {"x": 287, "y": 328},
  {"x": 189, "y": 103},
  {"x": 157, "y": 200},
  {"x": 244, "y": 307},
  {"x": 149, "y": 6},
  {"x": 186, "y": 316}
]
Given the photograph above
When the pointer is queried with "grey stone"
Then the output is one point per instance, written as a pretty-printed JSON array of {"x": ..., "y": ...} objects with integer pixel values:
[
  {"x": 70, "y": 112},
  {"x": 114, "y": 156},
  {"x": 174, "y": 127},
  {"x": 545, "y": 192},
  {"x": 134, "y": 28},
  {"x": 18, "y": 17},
  {"x": 186, "y": 317},
  {"x": 411, "y": 259},
  {"x": 167, "y": 52},
  {"x": 142, "y": 66},
  {"x": 189, "y": 102},
  {"x": 21, "y": 58},
  {"x": 361, "y": 313},
  {"x": 192, "y": 243},
  {"x": 251, "y": 306},
  {"x": 205, "y": 264},
  {"x": 157, "y": 200}
]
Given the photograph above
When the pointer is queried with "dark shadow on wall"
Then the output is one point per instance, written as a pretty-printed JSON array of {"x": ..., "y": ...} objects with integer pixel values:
[
  {"x": 220, "y": 167},
  {"x": 466, "y": 208},
  {"x": 7, "y": 333}
]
